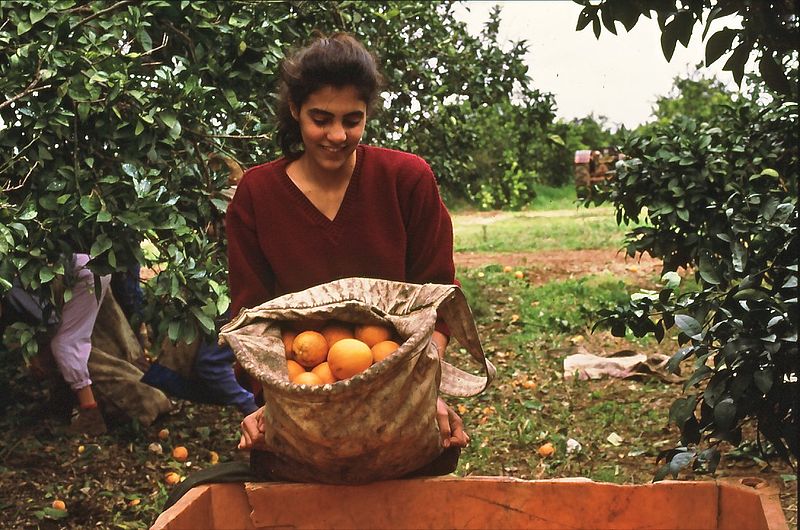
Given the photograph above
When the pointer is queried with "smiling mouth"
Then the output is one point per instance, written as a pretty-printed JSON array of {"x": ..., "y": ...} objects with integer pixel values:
[{"x": 331, "y": 149}]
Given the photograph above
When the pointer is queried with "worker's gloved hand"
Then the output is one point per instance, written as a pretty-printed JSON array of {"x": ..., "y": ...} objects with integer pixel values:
[
  {"x": 451, "y": 428},
  {"x": 253, "y": 429}
]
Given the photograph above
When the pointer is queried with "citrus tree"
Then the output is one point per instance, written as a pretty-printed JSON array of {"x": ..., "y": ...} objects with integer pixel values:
[
  {"x": 720, "y": 196},
  {"x": 114, "y": 116}
]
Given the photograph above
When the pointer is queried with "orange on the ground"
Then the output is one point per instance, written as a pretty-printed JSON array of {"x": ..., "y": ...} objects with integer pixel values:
[
  {"x": 172, "y": 478},
  {"x": 59, "y": 505},
  {"x": 180, "y": 453}
]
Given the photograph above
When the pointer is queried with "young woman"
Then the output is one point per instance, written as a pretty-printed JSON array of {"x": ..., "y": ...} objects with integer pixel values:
[{"x": 332, "y": 207}]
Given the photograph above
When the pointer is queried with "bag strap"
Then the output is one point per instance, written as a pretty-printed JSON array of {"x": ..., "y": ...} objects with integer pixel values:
[{"x": 455, "y": 311}]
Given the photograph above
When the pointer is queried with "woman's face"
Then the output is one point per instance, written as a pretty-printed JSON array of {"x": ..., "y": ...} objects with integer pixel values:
[{"x": 331, "y": 122}]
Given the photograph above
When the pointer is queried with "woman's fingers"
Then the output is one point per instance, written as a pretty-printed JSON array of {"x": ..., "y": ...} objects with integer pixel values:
[{"x": 451, "y": 428}]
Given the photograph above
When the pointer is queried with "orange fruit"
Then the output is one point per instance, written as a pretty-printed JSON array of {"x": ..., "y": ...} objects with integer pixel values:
[
  {"x": 323, "y": 370},
  {"x": 519, "y": 275},
  {"x": 288, "y": 336},
  {"x": 180, "y": 453},
  {"x": 371, "y": 334},
  {"x": 335, "y": 331},
  {"x": 508, "y": 268},
  {"x": 213, "y": 457},
  {"x": 172, "y": 478},
  {"x": 384, "y": 349},
  {"x": 307, "y": 378},
  {"x": 294, "y": 368},
  {"x": 163, "y": 434},
  {"x": 349, "y": 357},
  {"x": 546, "y": 450},
  {"x": 310, "y": 348},
  {"x": 59, "y": 505}
]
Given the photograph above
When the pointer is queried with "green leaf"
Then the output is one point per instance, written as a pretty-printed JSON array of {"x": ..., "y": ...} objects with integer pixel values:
[
  {"x": 36, "y": 15},
  {"x": 101, "y": 244},
  {"x": 45, "y": 275},
  {"x": 671, "y": 279},
  {"x": 169, "y": 119},
  {"x": 773, "y": 74},
  {"x": 205, "y": 320},
  {"x": 764, "y": 379},
  {"x": 725, "y": 414},
  {"x": 689, "y": 325},
  {"x": 719, "y": 43},
  {"x": 769, "y": 172}
]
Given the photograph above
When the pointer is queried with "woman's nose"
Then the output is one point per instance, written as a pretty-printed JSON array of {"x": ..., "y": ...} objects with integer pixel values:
[{"x": 336, "y": 133}]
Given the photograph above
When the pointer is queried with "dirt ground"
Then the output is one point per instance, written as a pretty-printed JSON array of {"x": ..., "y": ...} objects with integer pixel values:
[
  {"x": 117, "y": 481},
  {"x": 549, "y": 265}
]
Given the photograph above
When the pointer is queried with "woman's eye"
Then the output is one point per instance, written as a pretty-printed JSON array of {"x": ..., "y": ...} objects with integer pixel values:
[
  {"x": 351, "y": 124},
  {"x": 320, "y": 122}
]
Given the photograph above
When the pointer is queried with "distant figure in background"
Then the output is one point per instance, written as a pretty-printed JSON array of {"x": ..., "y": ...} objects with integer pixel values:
[{"x": 71, "y": 340}]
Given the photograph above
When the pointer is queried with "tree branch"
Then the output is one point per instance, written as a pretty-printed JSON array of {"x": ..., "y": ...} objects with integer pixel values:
[
  {"x": 32, "y": 87},
  {"x": 121, "y": 3}
]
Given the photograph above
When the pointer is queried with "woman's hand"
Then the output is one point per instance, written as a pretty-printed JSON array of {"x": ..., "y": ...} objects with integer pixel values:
[
  {"x": 253, "y": 429},
  {"x": 451, "y": 428}
]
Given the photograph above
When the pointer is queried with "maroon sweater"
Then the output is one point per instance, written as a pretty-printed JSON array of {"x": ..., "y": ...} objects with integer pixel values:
[{"x": 392, "y": 224}]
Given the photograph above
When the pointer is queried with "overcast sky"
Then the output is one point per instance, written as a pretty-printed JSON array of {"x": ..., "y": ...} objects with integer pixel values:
[{"x": 618, "y": 76}]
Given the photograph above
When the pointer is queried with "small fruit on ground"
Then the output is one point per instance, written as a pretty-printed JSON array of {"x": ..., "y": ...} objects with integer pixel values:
[
  {"x": 335, "y": 331},
  {"x": 288, "y": 335},
  {"x": 508, "y": 268},
  {"x": 163, "y": 434},
  {"x": 134, "y": 502},
  {"x": 384, "y": 349},
  {"x": 310, "y": 348},
  {"x": 349, "y": 357},
  {"x": 172, "y": 478},
  {"x": 519, "y": 275},
  {"x": 546, "y": 450},
  {"x": 213, "y": 457},
  {"x": 294, "y": 368},
  {"x": 323, "y": 370},
  {"x": 307, "y": 378},
  {"x": 180, "y": 453},
  {"x": 371, "y": 334},
  {"x": 58, "y": 504}
]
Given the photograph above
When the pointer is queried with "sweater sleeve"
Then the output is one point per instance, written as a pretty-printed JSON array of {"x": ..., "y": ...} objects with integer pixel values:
[
  {"x": 251, "y": 280},
  {"x": 429, "y": 256}
]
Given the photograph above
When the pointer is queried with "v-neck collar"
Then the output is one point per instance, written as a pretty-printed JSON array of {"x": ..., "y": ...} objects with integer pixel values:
[{"x": 349, "y": 194}]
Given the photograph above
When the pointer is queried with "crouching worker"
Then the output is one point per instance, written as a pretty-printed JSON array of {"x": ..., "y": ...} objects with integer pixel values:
[{"x": 70, "y": 342}]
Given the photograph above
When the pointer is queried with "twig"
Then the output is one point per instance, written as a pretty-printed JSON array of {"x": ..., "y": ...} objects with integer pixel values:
[
  {"x": 121, "y": 3},
  {"x": 32, "y": 87},
  {"x": 9, "y": 187},
  {"x": 232, "y": 136},
  {"x": 19, "y": 153},
  {"x": 185, "y": 37}
]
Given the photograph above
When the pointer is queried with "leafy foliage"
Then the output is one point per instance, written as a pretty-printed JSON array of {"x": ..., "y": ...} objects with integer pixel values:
[
  {"x": 769, "y": 29},
  {"x": 111, "y": 112},
  {"x": 720, "y": 198}
]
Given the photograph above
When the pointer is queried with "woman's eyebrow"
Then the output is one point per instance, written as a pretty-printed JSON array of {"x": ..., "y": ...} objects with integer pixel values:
[{"x": 325, "y": 114}]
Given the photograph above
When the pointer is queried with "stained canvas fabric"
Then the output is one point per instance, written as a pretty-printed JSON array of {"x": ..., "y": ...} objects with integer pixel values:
[{"x": 377, "y": 425}]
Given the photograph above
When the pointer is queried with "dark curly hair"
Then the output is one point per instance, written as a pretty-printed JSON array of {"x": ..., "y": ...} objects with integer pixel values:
[{"x": 338, "y": 60}]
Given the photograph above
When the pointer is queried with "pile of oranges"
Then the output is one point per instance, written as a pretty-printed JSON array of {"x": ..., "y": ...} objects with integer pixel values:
[{"x": 325, "y": 352}]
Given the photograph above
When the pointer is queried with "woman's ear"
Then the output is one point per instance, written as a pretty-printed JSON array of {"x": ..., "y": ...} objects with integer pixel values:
[{"x": 294, "y": 111}]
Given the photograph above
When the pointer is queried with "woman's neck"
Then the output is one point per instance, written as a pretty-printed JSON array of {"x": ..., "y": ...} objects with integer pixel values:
[{"x": 305, "y": 169}]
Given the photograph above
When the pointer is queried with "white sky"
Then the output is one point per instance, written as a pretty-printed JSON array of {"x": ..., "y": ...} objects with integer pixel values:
[{"x": 617, "y": 76}]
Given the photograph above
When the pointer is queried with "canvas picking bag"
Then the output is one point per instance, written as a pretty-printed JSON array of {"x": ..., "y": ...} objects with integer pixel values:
[{"x": 379, "y": 424}]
